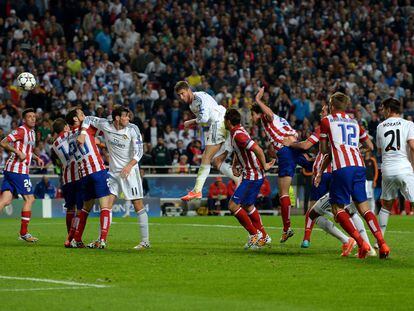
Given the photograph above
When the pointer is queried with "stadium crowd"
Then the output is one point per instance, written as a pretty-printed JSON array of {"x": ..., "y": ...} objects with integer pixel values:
[{"x": 129, "y": 52}]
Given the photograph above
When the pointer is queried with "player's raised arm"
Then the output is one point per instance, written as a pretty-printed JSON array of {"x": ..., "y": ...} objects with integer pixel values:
[{"x": 266, "y": 110}]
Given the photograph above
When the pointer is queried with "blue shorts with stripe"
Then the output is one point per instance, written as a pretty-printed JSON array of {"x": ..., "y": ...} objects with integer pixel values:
[
  {"x": 73, "y": 194},
  {"x": 17, "y": 183},
  {"x": 95, "y": 185},
  {"x": 247, "y": 192},
  {"x": 348, "y": 182},
  {"x": 288, "y": 158}
]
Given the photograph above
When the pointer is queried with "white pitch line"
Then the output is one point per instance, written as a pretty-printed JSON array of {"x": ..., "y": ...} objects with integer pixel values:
[
  {"x": 38, "y": 289},
  {"x": 52, "y": 281}
]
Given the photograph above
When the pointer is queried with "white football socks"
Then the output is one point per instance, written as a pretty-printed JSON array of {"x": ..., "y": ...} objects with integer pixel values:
[
  {"x": 359, "y": 225},
  {"x": 330, "y": 228},
  {"x": 143, "y": 225},
  {"x": 226, "y": 170},
  {"x": 383, "y": 216},
  {"x": 202, "y": 175}
]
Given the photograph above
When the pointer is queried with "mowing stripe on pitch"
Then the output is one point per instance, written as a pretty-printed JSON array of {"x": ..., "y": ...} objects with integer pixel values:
[
  {"x": 5, "y": 277},
  {"x": 39, "y": 289}
]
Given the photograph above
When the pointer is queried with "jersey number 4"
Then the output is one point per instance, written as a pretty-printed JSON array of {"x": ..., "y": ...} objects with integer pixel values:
[{"x": 395, "y": 137}]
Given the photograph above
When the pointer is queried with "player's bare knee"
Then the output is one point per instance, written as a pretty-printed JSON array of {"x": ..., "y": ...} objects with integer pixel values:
[{"x": 138, "y": 205}]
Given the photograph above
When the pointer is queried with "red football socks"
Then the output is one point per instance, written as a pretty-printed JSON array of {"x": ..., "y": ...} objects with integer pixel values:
[
  {"x": 308, "y": 227},
  {"x": 257, "y": 221},
  {"x": 69, "y": 218},
  {"x": 342, "y": 217},
  {"x": 285, "y": 211},
  {"x": 83, "y": 216},
  {"x": 374, "y": 226},
  {"x": 24, "y": 223},
  {"x": 105, "y": 219},
  {"x": 245, "y": 221}
]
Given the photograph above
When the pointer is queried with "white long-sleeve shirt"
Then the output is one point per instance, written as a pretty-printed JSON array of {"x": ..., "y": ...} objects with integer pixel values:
[
  {"x": 123, "y": 145},
  {"x": 206, "y": 109}
]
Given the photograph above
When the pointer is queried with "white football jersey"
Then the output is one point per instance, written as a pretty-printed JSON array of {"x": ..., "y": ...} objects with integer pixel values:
[
  {"x": 392, "y": 137},
  {"x": 123, "y": 145},
  {"x": 206, "y": 109}
]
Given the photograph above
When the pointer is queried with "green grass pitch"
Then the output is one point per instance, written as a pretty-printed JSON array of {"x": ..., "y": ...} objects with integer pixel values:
[{"x": 199, "y": 263}]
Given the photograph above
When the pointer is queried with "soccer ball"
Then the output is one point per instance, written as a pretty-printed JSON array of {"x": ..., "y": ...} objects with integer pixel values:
[{"x": 26, "y": 81}]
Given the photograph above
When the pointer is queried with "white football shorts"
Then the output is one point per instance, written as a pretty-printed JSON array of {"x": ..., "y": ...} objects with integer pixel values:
[
  {"x": 403, "y": 183},
  {"x": 217, "y": 133},
  {"x": 323, "y": 207},
  {"x": 131, "y": 186}
]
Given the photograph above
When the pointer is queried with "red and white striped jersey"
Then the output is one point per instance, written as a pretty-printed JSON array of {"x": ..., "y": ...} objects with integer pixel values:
[
  {"x": 276, "y": 129},
  {"x": 344, "y": 134},
  {"x": 63, "y": 147},
  {"x": 242, "y": 145},
  {"x": 87, "y": 156},
  {"x": 314, "y": 139},
  {"x": 23, "y": 139}
]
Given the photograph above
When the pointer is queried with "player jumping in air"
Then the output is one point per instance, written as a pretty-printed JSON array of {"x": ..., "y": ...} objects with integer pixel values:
[
  {"x": 20, "y": 144},
  {"x": 207, "y": 112},
  {"x": 124, "y": 142},
  {"x": 348, "y": 172},
  {"x": 94, "y": 178},
  {"x": 395, "y": 142},
  {"x": 251, "y": 159},
  {"x": 277, "y": 129}
]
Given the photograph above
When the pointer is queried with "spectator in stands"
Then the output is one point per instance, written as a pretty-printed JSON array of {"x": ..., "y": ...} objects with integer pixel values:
[
  {"x": 170, "y": 138},
  {"x": 44, "y": 189},
  {"x": 161, "y": 156},
  {"x": 194, "y": 152},
  {"x": 217, "y": 196},
  {"x": 5, "y": 121},
  {"x": 182, "y": 166}
]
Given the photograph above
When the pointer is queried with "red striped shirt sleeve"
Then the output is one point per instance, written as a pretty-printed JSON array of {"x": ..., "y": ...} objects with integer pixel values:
[
  {"x": 363, "y": 136},
  {"x": 244, "y": 141},
  {"x": 324, "y": 129},
  {"x": 15, "y": 135}
]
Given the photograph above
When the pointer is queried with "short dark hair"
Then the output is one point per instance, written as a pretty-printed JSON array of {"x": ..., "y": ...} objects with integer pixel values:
[
  {"x": 392, "y": 104},
  {"x": 256, "y": 109},
  {"x": 71, "y": 115},
  {"x": 118, "y": 111},
  {"x": 26, "y": 111},
  {"x": 181, "y": 85},
  {"x": 58, "y": 125},
  {"x": 233, "y": 116}
]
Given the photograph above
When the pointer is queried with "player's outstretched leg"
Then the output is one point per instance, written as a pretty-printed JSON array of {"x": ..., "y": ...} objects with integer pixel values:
[
  {"x": 285, "y": 211},
  {"x": 203, "y": 172}
]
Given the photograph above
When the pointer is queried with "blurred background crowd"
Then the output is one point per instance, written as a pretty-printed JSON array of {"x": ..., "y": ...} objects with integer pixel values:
[{"x": 98, "y": 54}]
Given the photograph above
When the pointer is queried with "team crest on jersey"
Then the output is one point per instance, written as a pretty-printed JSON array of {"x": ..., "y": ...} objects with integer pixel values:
[{"x": 125, "y": 136}]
